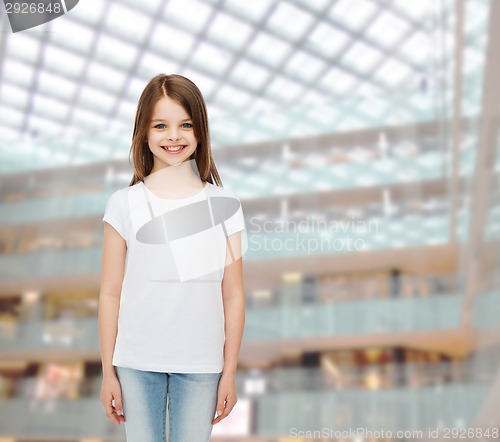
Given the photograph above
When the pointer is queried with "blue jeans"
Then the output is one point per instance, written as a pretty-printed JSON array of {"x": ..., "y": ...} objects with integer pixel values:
[{"x": 192, "y": 401}]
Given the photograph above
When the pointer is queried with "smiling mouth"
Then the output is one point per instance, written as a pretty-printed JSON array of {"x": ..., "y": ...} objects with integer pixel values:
[{"x": 173, "y": 148}]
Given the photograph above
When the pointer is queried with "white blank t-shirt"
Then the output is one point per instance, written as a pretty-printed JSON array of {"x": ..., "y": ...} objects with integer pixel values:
[{"x": 171, "y": 316}]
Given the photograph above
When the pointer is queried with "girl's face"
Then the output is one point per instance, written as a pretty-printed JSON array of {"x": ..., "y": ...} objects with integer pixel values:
[{"x": 170, "y": 127}]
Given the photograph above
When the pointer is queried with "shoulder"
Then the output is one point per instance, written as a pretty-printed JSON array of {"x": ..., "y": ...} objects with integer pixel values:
[
  {"x": 123, "y": 191},
  {"x": 119, "y": 195},
  {"x": 221, "y": 191}
]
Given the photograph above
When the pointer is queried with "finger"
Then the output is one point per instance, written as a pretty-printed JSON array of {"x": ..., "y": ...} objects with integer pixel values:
[
  {"x": 227, "y": 409},
  {"x": 110, "y": 412},
  {"x": 119, "y": 408},
  {"x": 109, "y": 409},
  {"x": 220, "y": 411},
  {"x": 229, "y": 406},
  {"x": 216, "y": 420},
  {"x": 220, "y": 406},
  {"x": 220, "y": 417}
]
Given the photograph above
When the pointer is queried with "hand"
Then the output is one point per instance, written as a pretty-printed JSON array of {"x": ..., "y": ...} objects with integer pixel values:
[
  {"x": 226, "y": 396},
  {"x": 110, "y": 390}
]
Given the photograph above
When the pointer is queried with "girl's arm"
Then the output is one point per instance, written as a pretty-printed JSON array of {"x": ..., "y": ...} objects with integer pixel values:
[
  {"x": 234, "y": 303},
  {"x": 234, "y": 323},
  {"x": 113, "y": 269}
]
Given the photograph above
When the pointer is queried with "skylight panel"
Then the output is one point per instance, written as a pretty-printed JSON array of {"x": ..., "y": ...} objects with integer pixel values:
[
  {"x": 226, "y": 129},
  {"x": 97, "y": 99},
  {"x": 205, "y": 83},
  {"x": 14, "y": 95},
  {"x": 105, "y": 77},
  {"x": 215, "y": 111},
  {"x": 354, "y": 14},
  {"x": 250, "y": 74},
  {"x": 387, "y": 29},
  {"x": 415, "y": 10},
  {"x": 18, "y": 72},
  {"x": 253, "y": 10},
  {"x": 289, "y": 21},
  {"x": 127, "y": 22},
  {"x": 233, "y": 98},
  {"x": 64, "y": 62},
  {"x": 284, "y": 89},
  {"x": 274, "y": 121},
  {"x": 12, "y": 117},
  {"x": 324, "y": 115},
  {"x": 86, "y": 119},
  {"x": 317, "y": 5},
  {"x": 126, "y": 111},
  {"x": 392, "y": 73},
  {"x": 50, "y": 107},
  {"x": 338, "y": 82},
  {"x": 99, "y": 147},
  {"x": 135, "y": 86},
  {"x": 268, "y": 49},
  {"x": 417, "y": 48},
  {"x": 152, "y": 65},
  {"x": 368, "y": 90},
  {"x": 210, "y": 57},
  {"x": 23, "y": 48},
  {"x": 327, "y": 40},
  {"x": 373, "y": 107},
  {"x": 44, "y": 126},
  {"x": 362, "y": 57},
  {"x": 151, "y": 6},
  {"x": 90, "y": 12},
  {"x": 239, "y": 31},
  {"x": 261, "y": 104},
  {"x": 187, "y": 14},
  {"x": 171, "y": 40},
  {"x": 72, "y": 35},
  {"x": 8, "y": 133},
  {"x": 111, "y": 50},
  {"x": 304, "y": 66},
  {"x": 314, "y": 97}
]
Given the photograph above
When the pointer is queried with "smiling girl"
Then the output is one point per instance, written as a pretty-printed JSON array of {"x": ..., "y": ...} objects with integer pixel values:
[{"x": 171, "y": 305}]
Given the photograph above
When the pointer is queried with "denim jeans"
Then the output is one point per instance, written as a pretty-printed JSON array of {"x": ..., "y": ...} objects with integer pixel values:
[{"x": 191, "y": 403}]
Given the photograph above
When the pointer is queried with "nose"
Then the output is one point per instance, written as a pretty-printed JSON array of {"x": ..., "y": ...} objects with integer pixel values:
[{"x": 172, "y": 134}]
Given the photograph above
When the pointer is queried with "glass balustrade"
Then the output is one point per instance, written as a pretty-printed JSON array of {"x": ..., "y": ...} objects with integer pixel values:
[
  {"x": 433, "y": 394},
  {"x": 439, "y": 312},
  {"x": 274, "y": 415},
  {"x": 261, "y": 245}
]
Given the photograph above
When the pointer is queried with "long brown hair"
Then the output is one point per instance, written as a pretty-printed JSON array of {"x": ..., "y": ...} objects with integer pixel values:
[{"x": 187, "y": 94}]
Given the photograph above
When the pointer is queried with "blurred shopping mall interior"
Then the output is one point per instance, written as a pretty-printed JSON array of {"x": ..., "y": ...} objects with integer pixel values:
[{"x": 362, "y": 137}]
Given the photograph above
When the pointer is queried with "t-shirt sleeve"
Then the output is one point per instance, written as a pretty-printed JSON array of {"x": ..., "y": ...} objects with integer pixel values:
[
  {"x": 114, "y": 213},
  {"x": 235, "y": 222}
]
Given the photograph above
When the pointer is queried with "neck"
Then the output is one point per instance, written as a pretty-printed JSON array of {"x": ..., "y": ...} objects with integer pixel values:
[{"x": 175, "y": 177}]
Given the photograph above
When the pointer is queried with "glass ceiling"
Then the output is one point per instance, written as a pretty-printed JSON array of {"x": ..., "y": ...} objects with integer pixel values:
[{"x": 268, "y": 70}]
